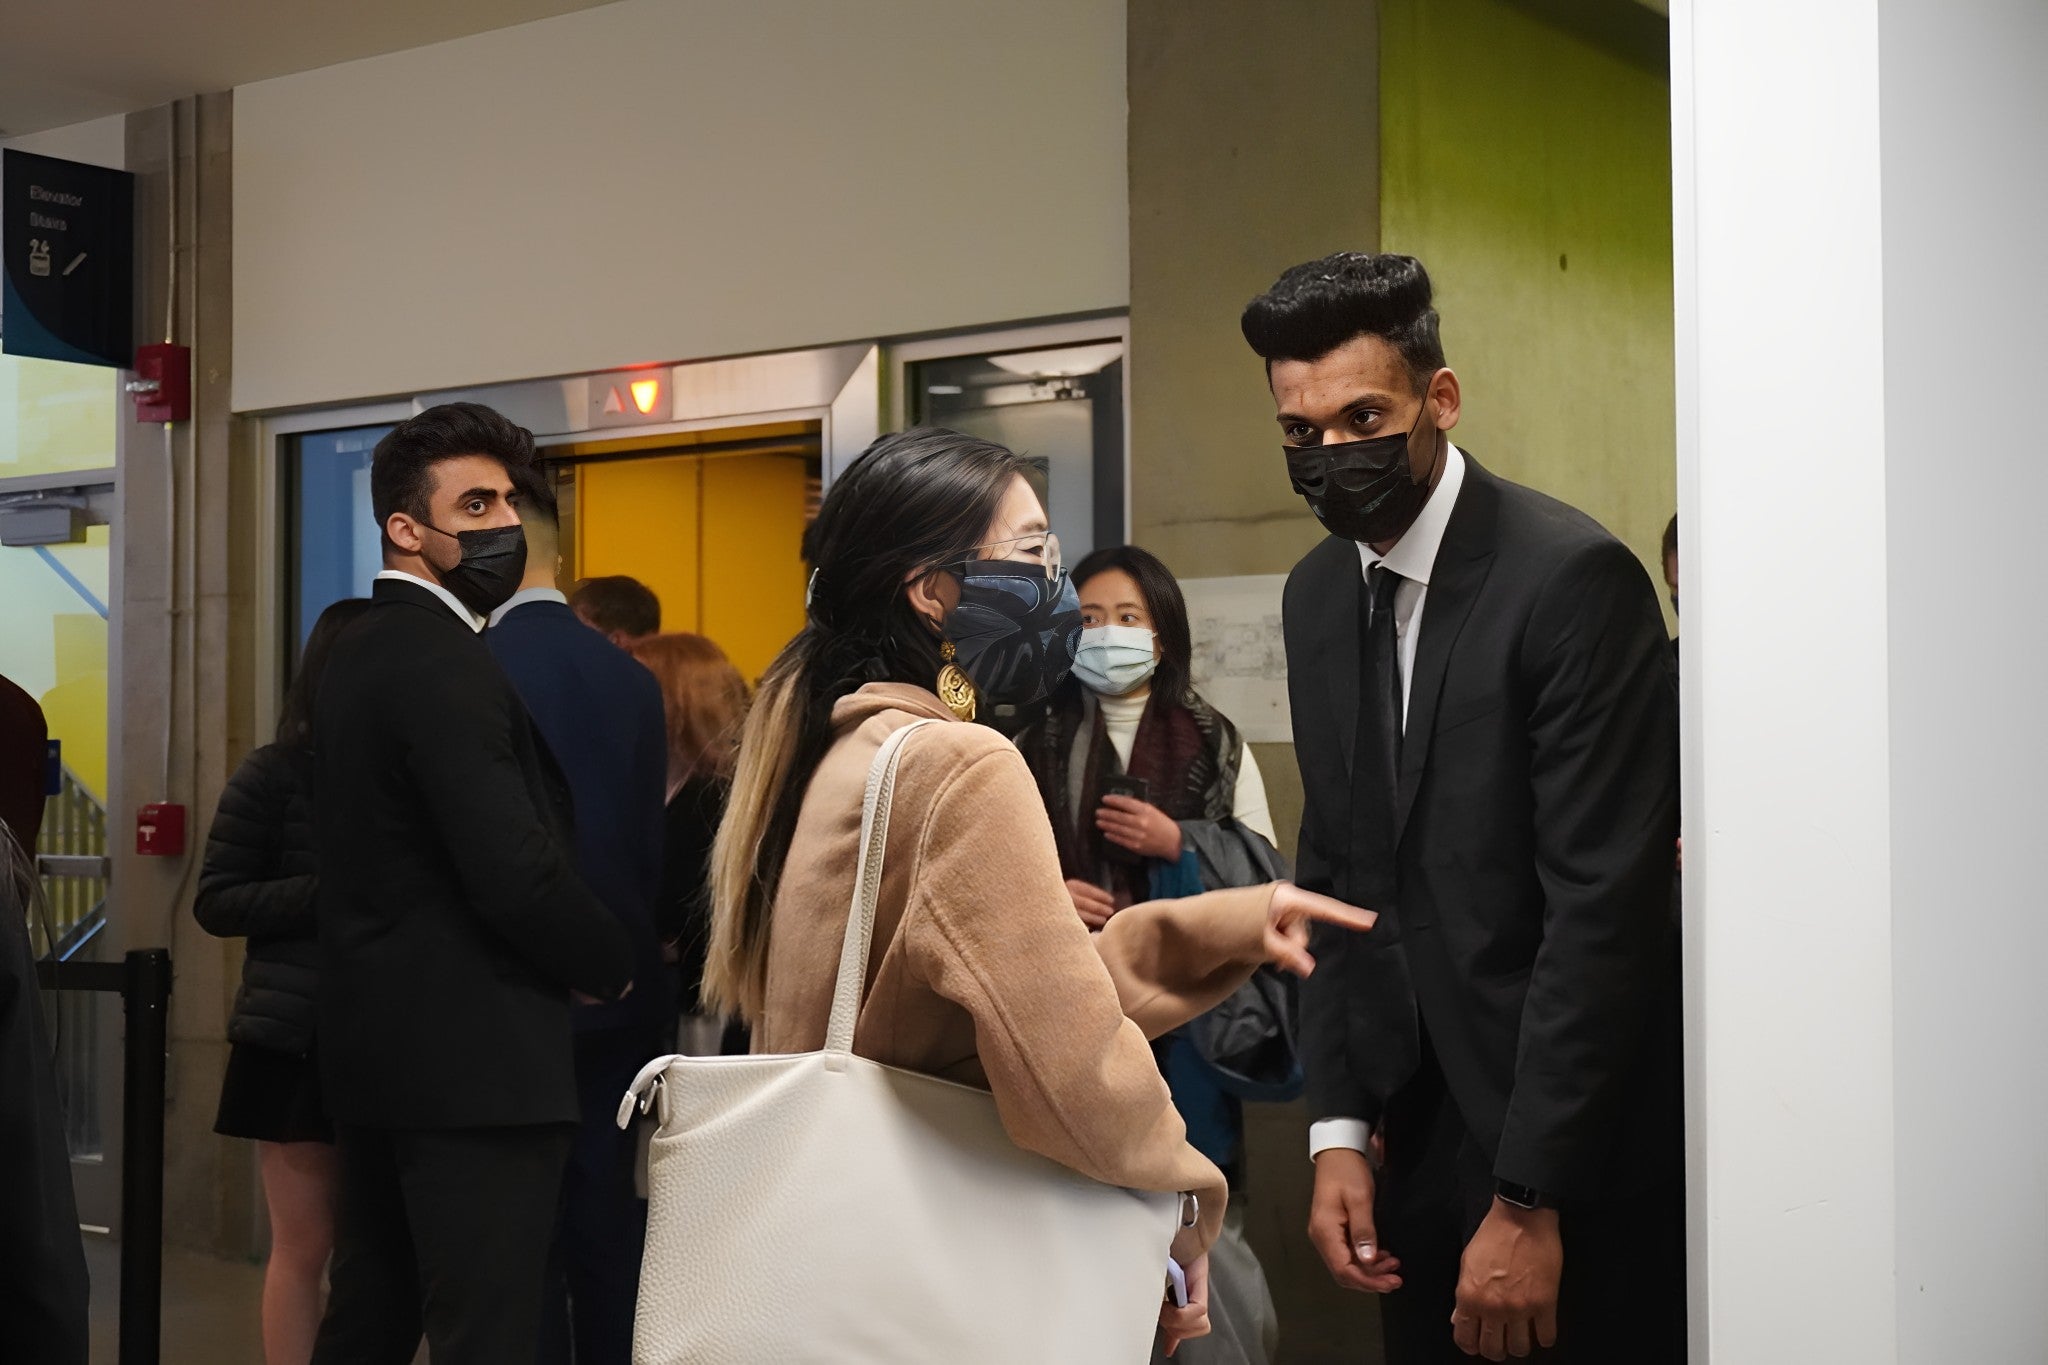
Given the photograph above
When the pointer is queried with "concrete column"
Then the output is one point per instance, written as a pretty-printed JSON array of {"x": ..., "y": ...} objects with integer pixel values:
[
  {"x": 1254, "y": 144},
  {"x": 184, "y": 708},
  {"x": 1859, "y": 280}
]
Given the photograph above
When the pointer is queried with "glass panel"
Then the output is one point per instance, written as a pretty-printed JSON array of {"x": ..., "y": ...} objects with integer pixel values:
[
  {"x": 1061, "y": 405},
  {"x": 53, "y": 644},
  {"x": 336, "y": 550},
  {"x": 55, "y": 417},
  {"x": 53, "y": 622}
]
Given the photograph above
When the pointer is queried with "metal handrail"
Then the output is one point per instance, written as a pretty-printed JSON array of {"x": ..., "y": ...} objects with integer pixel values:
[{"x": 71, "y": 856}]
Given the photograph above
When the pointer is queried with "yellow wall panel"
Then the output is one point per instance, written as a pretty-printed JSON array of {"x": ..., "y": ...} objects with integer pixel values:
[
  {"x": 753, "y": 585},
  {"x": 639, "y": 517}
]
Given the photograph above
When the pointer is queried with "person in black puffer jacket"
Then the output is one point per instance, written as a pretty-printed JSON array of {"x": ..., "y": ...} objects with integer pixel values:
[{"x": 257, "y": 883}]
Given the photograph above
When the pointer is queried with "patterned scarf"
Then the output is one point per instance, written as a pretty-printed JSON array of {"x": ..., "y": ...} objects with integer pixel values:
[{"x": 1186, "y": 752}]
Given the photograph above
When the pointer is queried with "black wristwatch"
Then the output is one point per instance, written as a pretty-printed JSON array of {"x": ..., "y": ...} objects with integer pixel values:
[{"x": 1521, "y": 1196}]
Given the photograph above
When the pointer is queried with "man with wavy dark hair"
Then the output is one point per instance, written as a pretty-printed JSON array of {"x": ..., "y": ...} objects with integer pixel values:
[{"x": 1486, "y": 722}]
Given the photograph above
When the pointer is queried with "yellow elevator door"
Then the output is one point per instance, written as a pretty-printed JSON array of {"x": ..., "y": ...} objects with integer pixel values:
[{"x": 716, "y": 533}]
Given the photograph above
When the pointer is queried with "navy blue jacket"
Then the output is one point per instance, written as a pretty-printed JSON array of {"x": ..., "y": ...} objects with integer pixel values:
[{"x": 599, "y": 712}]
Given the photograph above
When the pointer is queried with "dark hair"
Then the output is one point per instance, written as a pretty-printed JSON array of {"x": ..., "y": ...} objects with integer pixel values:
[
  {"x": 402, "y": 466},
  {"x": 1316, "y": 307},
  {"x": 1169, "y": 611},
  {"x": 1671, "y": 538},
  {"x": 536, "y": 493},
  {"x": 913, "y": 502},
  {"x": 616, "y": 602},
  {"x": 295, "y": 721}
]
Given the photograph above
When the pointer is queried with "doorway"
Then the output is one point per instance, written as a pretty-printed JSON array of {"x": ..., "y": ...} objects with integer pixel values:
[{"x": 712, "y": 521}]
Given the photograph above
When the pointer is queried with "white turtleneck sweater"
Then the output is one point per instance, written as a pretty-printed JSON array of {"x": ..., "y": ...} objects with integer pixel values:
[{"x": 1120, "y": 716}]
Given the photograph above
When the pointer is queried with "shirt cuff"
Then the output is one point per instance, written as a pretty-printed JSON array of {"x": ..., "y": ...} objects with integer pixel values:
[{"x": 1350, "y": 1134}]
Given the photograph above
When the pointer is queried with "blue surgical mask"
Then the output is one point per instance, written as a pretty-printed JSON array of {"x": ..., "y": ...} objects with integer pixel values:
[{"x": 1115, "y": 660}]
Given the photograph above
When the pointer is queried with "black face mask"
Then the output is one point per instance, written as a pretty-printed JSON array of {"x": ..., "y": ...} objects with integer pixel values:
[
  {"x": 1015, "y": 631},
  {"x": 493, "y": 562},
  {"x": 1369, "y": 491}
]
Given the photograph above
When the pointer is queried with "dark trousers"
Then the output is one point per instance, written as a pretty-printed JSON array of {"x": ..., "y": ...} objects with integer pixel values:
[
  {"x": 441, "y": 1231},
  {"x": 594, "y": 1269},
  {"x": 1622, "y": 1298}
]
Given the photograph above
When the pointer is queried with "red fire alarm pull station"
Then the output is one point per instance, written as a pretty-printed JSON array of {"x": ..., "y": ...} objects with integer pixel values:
[
  {"x": 160, "y": 830},
  {"x": 162, "y": 386}
]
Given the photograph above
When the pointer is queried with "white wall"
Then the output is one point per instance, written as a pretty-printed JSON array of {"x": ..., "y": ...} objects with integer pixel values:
[
  {"x": 1783, "y": 498},
  {"x": 100, "y": 142},
  {"x": 1860, "y": 285},
  {"x": 1965, "y": 124},
  {"x": 670, "y": 179}
]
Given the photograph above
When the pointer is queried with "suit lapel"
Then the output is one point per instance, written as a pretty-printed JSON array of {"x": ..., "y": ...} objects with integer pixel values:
[
  {"x": 1455, "y": 581},
  {"x": 1340, "y": 646}
]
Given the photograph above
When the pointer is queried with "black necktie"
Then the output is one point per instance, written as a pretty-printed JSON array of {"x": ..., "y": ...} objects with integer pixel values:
[{"x": 1376, "y": 761}]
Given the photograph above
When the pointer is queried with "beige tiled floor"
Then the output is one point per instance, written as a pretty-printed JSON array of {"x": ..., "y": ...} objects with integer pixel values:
[{"x": 212, "y": 1308}]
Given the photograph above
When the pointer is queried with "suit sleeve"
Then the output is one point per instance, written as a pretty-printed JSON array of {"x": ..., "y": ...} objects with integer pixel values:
[
  {"x": 1332, "y": 1084},
  {"x": 649, "y": 798},
  {"x": 458, "y": 729},
  {"x": 1604, "y": 770},
  {"x": 1073, "y": 1078},
  {"x": 241, "y": 893}
]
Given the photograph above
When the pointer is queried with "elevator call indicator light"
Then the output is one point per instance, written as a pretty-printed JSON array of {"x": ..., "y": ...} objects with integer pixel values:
[{"x": 627, "y": 398}]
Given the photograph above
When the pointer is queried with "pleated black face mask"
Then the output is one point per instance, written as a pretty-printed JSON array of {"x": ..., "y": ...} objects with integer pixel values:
[
  {"x": 1370, "y": 491},
  {"x": 493, "y": 562}
]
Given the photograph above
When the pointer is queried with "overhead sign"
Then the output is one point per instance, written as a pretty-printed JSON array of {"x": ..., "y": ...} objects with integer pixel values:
[{"x": 67, "y": 238}]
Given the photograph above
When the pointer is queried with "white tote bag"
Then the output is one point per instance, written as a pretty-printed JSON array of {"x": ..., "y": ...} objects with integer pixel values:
[{"x": 823, "y": 1207}]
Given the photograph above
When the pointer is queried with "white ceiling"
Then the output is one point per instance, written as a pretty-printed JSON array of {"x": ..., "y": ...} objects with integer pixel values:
[{"x": 65, "y": 61}]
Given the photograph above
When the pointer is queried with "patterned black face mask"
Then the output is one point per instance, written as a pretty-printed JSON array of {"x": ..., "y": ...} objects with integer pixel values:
[{"x": 1015, "y": 631}]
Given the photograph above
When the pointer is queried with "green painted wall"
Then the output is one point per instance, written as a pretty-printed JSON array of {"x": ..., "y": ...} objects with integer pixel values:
[{"x": 1530, "y": 170}]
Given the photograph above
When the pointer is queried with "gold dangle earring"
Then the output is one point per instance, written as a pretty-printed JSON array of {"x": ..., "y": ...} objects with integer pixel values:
[{"x": 954, "y": 687}]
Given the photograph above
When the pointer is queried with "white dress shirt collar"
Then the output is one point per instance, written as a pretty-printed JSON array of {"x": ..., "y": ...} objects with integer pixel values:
[
  {"x": 1414, "y": 554},
  {"x": 525, "y": 595},
  {"x": 462, "y": 613}
]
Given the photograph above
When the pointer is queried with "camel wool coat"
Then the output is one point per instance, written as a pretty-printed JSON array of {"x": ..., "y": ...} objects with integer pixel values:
[{"x": 981, "y": 972}]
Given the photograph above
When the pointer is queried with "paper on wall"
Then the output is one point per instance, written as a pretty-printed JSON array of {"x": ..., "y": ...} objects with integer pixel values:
[{"x": 1240, "y": 658}]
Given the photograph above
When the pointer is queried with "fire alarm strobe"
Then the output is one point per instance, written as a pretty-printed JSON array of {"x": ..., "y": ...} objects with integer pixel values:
[{"x": 162, "y": 386}]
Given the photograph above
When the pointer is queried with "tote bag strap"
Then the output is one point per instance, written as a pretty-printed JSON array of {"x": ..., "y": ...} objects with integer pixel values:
[{"x": 867, "y": 890}]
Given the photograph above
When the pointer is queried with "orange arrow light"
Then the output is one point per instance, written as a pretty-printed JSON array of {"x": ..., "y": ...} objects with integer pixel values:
[{"x": 645, "y": 391}]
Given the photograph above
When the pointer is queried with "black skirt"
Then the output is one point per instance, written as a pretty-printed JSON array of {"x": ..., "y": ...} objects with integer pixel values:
[{"x": 272, "y": 1097}]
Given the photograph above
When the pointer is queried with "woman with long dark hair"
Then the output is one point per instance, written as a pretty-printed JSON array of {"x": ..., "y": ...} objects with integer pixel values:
[
  {"x": 1131, "y": 760},
  {"x": 257, "y": 882},
  {"x": 937, "y": 594},
  {"x": 1153, "y": 793}
]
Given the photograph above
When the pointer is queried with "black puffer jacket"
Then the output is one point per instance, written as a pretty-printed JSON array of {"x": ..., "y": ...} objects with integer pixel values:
[{"x": 257, "y": 883}]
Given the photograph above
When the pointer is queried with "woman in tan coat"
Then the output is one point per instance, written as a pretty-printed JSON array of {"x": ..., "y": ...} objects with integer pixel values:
[{"x": 935, "y": 576}]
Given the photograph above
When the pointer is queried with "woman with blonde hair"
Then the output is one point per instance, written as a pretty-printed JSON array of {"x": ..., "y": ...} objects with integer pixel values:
[
  {"x": 937, "y": 594},
  {"x": 704, "y": 700}
]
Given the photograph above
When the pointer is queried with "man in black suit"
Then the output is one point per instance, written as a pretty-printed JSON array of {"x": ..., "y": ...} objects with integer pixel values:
[
  {"x": 599, "y": 710},
  {"x": 1486, "y": 722},
  {"x": 453, "y": 926}
]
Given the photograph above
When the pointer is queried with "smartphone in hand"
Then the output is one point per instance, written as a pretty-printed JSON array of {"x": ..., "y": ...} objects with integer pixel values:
[
  {"x": 1123, "y": 784},
  {"x": 1176, "y": 1284}
]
